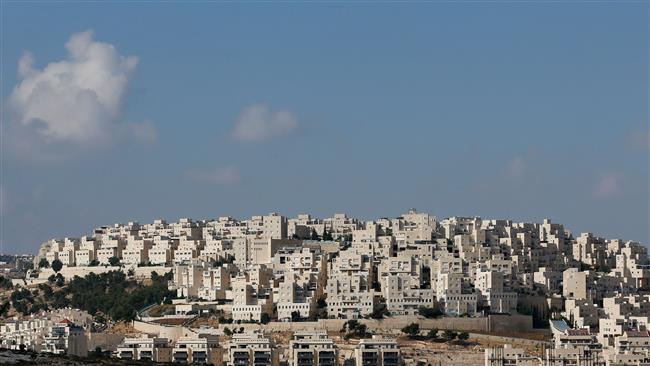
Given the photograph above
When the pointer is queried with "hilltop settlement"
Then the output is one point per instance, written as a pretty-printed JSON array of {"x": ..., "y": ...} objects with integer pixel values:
[{"x": 304, "y": 291}]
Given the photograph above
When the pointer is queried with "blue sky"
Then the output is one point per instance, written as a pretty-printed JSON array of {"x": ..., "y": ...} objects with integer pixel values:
[{"x": 502, "y": 110}]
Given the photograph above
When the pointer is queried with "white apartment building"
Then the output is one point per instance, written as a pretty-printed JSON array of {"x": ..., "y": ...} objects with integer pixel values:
[
  {"x": 312, "y": 349},
  {"x": 197, "y": 349},
  {"x": 145, "y": 348},
  {"x": 66, "y": 338},
  {"x": 251, "y": 349},
  {"x": 378, "y": 352},
  {"x": 30, "y": 333},
  {"x": 349, "y": 287},
  {"x": 251, "y": 299}
]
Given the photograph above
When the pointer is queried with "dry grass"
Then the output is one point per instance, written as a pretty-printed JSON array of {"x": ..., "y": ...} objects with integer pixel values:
[{"x": 122, "y": 327}]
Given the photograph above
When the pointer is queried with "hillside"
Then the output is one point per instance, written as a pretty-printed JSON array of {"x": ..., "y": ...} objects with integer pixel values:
[{"x": 112, "y": 295}]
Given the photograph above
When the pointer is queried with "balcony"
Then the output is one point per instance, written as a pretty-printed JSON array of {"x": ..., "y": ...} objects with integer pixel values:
[
  {"x": 326, "y": 358},
  {"x": 199, "y": 357},
  {"x": 180, "y": 357},
  {"x": 127, "y": 355}
]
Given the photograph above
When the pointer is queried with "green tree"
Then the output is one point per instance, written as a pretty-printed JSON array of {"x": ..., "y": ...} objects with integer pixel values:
[
  {"x": 463, "y": 336},
  {"x": 60, "y": 280},
  {"x": 227, "y": 331},
  {"x": 449, "y": 335},
  {"x": 295, "y": 316},
  {"x": 411, "y": 330},
  {"x": 5, "y": 283},
  {"x": 4, "y": 308},
  {"x": 350, "y": 325},
  {"x": 57, "y": 265},
  {"x": 97, "y": 352},
  {"x": 429, "y": 312},
  {"x": 266, "y": 318},
  {"x": 327, "y": 236},
  {"x": 114, "y": 261},
  {"x": 43, "y": 263},
  {"x": 433, "y": 334}
]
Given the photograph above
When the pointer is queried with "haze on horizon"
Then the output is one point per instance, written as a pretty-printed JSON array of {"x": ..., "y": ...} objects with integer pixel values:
[{"x": 135, "y": 111}]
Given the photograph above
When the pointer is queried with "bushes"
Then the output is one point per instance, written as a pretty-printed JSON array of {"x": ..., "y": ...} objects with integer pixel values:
[
  {"x": 463, "y": 336},
  {"x": 224, "y": 320},
  {"x": 114, "y": 261},
  {"x": 266, "y": 318},
  {"x": 449, "y": 335},
  {"x": 411, "y": 330},
  {"x": 355, "y": 329},
  {"x": 5, "y": 283},
  {"x": 295, "y": 316},
  {"x": 433, "y": 334},
  {"x": 429, "y": 312},
  {"x": 60, "y": 280},
  {"x": 4, "y": 308},
  {"x": 21, "y": 300}
]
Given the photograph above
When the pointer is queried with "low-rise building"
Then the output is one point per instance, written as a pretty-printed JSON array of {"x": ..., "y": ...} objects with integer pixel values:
[
  {"x": 66, "y": 338},
  {"x": 312, "y": 349},
  {"x": 378, "y": 352},
  {"x": 251, "y": 349},
  {"x": 198, "y": 349},
  {"x": 145, "y": 348}
]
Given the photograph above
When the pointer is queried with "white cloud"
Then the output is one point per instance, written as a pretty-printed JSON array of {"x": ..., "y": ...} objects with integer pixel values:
[
  {"x": 77, "y": 101},
  {"x": 258, "y": 123},
  {"x": 227, "y": 175},
  {"x": 516, "y": 168},
  {"x": 608, "y": 185}
]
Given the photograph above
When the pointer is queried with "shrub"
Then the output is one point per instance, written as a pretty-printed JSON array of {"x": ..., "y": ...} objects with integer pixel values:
[
  {"x": 429, "y": 312},
  {"x": 463, "y": 336},
  {"x": 5, "y": 283},
  {"x": 450, "y": 335},
  {"x": 433, "y": 334},
  {"x": 411, "y": 330},
  {"x": 266, "y": 318}
]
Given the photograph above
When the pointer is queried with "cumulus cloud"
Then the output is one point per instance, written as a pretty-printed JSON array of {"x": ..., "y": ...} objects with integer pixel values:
[
  {"x": 74, "y": 102},
  {"x": 258, "y": 123},
  {"x": 608, "y": 185},
  {"x": 227, "y": 175}
]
